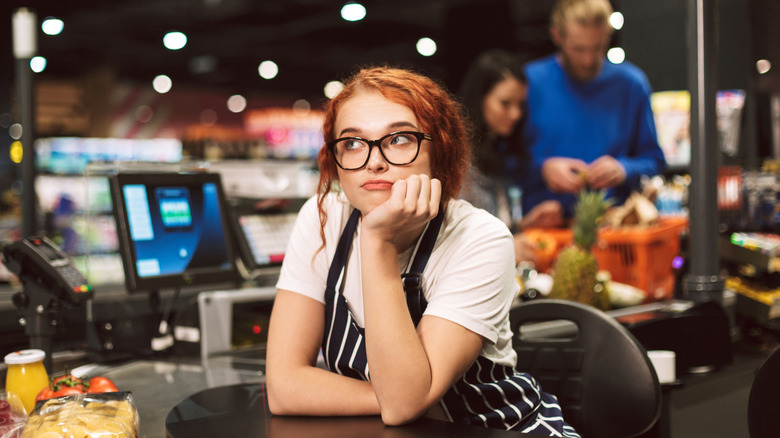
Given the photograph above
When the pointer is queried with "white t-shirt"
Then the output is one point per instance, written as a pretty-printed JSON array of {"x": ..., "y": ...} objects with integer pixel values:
[{"x": 469, "y": 279}]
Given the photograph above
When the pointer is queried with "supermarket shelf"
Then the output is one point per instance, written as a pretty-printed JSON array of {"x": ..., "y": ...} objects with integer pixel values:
[{"x": 745, "y": 256}]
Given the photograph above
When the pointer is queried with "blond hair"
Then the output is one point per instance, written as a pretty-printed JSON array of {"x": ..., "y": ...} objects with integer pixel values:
[{"x": 584, "y": 12}]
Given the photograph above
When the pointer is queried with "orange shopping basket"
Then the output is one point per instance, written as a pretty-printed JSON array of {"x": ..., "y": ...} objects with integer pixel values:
[{"x": 642, "y": 257}]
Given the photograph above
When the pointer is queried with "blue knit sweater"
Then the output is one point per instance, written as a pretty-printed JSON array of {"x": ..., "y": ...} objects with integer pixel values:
[{"x": 609, "y": 115}]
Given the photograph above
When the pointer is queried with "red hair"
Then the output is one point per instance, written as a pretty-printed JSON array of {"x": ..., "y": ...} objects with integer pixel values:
[{"x": 438, "y": 112}]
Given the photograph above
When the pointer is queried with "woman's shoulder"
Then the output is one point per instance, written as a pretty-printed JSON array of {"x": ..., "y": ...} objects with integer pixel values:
[{"x": 335, "y": 204}]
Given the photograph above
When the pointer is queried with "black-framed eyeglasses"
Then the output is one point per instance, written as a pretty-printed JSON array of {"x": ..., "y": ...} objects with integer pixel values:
[{"x": 397, "y": 148}]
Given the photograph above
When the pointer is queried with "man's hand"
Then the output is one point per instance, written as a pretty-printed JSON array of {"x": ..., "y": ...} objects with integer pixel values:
[
  {"x": 547, "y": 214},
  {"x": 525, "y": 250},
  {"x": 564, "y": 175},
  {"x": 605, "y": 172}
]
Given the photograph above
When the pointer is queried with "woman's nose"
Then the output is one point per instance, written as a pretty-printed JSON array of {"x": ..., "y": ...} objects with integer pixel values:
[
  {"x": 376, "y": 161},
  {"x": 516, "y": 113}
]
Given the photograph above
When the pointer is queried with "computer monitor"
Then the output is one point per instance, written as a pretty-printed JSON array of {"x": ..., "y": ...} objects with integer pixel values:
[
  {"x": 262, "y": 229},
  {"x": 173, "y": 230}
]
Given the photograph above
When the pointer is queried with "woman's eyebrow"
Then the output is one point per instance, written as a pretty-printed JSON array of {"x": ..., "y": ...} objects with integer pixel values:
[
  {"x": 389, "y": 127},
  {"x": 403, "y": 124}
]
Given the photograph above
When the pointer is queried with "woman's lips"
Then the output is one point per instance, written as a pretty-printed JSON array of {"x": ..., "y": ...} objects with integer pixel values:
[{"x": 377, "y": 185}]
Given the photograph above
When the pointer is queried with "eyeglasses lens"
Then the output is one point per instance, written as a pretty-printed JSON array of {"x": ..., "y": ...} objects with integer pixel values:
[{"x": 398, "y": 148}]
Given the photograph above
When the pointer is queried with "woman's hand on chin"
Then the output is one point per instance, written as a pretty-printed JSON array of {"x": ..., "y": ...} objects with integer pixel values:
[{"x": 413, "y": 202}]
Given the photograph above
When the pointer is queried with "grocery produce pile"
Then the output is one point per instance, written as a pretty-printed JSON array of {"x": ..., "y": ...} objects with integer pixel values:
[
  {"x": 72, "y": 407},
  {"x": 70, "y": 385}
]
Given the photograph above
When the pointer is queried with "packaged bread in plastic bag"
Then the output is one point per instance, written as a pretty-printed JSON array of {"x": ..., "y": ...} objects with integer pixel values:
[{"x": 106, "y": 415}]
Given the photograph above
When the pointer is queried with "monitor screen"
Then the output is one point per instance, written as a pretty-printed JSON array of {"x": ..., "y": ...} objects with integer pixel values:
[
  {"x": 262, "y": 229},
  {"x": 172, "y": 230}
]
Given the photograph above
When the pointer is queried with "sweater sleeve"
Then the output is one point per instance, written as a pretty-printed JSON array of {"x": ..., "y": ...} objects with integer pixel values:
[{"x": 646, "y": 156}]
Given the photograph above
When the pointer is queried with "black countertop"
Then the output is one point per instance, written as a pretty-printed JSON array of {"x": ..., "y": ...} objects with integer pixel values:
[{"x": 241, "y": 410}]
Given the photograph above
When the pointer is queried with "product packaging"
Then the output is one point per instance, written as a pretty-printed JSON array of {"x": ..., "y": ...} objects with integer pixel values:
[{"x": 106, "y": 415}]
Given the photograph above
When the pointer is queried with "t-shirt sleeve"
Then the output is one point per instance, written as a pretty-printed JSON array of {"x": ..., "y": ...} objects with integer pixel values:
[
  {"x": 476, "y": 282},
  {"x": 301, "y": 271}
]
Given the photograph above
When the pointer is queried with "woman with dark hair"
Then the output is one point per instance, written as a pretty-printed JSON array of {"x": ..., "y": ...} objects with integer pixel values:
[
  {"x": 494, "y": 91},
  {"x": 404, "y": 288}
]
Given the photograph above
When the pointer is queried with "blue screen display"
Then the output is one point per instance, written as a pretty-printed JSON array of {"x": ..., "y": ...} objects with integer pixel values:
[{"x": 175, "y": 229}]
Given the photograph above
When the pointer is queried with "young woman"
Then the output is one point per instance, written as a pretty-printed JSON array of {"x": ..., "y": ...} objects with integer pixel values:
[
  {"x": 403, "y": 288},
  {"x": 494, "y": 92}
]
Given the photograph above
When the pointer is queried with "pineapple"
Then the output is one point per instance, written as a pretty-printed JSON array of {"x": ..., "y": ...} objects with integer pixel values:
[{"x": 574, "y": 276}]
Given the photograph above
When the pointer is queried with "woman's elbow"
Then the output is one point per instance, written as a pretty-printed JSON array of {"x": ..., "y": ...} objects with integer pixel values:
[
  {"x": 274, "y": 403},
  {"x": 400, "y": 415},
  {"x": 278, "y": 404}
]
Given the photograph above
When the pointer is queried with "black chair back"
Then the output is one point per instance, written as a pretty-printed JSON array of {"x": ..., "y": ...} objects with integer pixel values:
[
  {"x": 602, "y": 376},
  {"x": 764, "y": 399}
]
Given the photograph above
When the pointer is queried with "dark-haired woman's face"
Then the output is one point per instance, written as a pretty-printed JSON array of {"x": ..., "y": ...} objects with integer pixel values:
[{"x": 502, "y": 107}]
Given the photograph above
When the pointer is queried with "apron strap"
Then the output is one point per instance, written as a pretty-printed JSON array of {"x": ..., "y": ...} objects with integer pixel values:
[
  {"x": 412, "y": 279},
  {"x": 342, "y": 250}
]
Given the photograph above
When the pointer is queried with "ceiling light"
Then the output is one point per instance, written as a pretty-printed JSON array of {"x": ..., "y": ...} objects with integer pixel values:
[
  {"x": 15, "y": 131},
  {"x": 353, "y": 12},
  {"x": 144, "y": 113},
  {"x": 38, "y": 64},
  {"x": 174, "y": 40},
  {"x": 162, "y": 84},
  {"x": 616, "y": 55},
  {"x": 616, "y": 20},
  {"x": 268, "y": 69},
  {"x": 301, "y": 107},
  {"x": 52, "y": 26},
  {"x": 236, "y": 103},
  {"x": 202, "y": 64},
  {"x": 763, "y": 66},
  {"x": 426, "y": 46},
  {"x": 208, "y": 117},
  {"x": 332, "y": 88}
]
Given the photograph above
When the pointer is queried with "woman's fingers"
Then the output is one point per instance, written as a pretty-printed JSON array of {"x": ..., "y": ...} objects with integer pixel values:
[
  {"x": 435, "y": 198},
  {"x": 417, "y": 195}
]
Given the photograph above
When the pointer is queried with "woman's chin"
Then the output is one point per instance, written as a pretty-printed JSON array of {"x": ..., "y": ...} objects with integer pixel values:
[{"x": 369, "y": 205}]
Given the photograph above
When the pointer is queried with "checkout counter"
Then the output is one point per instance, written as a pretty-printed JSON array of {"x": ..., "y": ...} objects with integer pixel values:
[
  {"x": 212, "y": 399},
  {"x": 196, "y": 378}
]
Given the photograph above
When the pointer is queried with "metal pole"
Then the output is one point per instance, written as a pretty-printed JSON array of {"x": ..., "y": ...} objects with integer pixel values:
[
  {"x": 703, "y": 282},
  {"x": 25, "y": 47}
]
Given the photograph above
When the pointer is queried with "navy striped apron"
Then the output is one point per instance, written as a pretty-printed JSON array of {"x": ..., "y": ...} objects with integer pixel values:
[{"x": 488, "y": 394}]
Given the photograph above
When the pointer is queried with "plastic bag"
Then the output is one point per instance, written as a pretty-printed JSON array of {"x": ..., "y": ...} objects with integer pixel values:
[
  {"x": 106, "y": 415},
  {"x": 10, "y": 423}
]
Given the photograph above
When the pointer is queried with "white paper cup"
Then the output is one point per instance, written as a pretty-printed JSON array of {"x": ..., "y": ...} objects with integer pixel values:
[{"x": 664, "y": 364}]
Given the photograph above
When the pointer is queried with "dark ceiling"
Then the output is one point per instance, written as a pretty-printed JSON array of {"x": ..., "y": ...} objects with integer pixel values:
[{"x": 307, "y": 39}]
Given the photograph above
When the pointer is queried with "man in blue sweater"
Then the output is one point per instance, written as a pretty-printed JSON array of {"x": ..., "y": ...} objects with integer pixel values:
[{"x": 589, "y": 121}]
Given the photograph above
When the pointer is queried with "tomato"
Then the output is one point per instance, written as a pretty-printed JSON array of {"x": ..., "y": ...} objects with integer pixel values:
[
  {"x": 70, "y": 385},
  {"x": 59, "y": 387},
  {"x": 67, "y": 390},
  {"x": 45, "y": 394},
  {"x": 101, "y": 384},
  {"x": 68, "y": 381}
]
